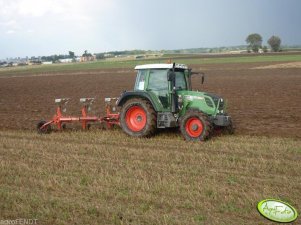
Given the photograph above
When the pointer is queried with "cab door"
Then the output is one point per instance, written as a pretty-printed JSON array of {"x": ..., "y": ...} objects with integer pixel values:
[{"x": 158, "y": 85}]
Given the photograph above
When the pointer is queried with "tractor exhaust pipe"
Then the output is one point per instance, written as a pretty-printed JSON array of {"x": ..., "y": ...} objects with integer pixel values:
[{"x": 174, "y": 97}]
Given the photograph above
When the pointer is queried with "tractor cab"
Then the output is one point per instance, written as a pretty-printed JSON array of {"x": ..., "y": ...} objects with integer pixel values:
[
  {"x": 157, "y": 77},
  {"x": 153, "y": 79}
]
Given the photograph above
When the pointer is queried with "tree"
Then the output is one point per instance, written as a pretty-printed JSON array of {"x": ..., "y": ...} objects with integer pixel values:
[
  {"x": 86, "y": 54},
  {"x": 71, "y": 54},
  {"x": 275, "y": 42},
  {"x": 254, "y": 41},
  {"x": 100, "y": 56},
  {"x": 265, "y": 49}
]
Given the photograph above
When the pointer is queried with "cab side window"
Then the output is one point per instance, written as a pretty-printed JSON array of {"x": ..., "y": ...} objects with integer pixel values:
[{"x": 140, "y": 80}]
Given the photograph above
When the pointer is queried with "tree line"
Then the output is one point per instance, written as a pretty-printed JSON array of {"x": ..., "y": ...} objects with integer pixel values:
[{"x": 254, "y": 42}]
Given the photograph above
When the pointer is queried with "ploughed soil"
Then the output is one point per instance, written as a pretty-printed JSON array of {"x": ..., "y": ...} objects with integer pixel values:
[{"x": 263, "y": 101}]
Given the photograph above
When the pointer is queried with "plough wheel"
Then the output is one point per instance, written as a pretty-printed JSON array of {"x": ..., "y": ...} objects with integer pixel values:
[{"x": 44, "y": 130}]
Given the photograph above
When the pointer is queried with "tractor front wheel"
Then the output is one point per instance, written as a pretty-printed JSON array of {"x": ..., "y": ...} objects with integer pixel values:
[
  {"x": 195, "y": 126},
  {"x": 138, "y": 118}
]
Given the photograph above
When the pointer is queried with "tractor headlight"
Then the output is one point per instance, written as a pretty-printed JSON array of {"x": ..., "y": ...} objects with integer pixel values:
[{"x": 221, "y": 104}]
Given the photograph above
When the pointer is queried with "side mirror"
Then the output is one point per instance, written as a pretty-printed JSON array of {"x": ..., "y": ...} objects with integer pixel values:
[
  {"x": 171, "y": 76},
  {"x": 199, "y": 73}
]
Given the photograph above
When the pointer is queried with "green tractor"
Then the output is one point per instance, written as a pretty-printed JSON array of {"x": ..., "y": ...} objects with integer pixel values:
[{"x": 163, "y": 98}]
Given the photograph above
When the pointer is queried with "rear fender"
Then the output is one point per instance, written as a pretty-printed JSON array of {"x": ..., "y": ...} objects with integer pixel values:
[{"x": 138, "y": 94}]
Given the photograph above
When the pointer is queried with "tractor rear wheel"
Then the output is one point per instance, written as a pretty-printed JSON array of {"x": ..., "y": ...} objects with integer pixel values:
[
  {"x": 195, "y": 126},
  {"x": 138, "y": 118}
]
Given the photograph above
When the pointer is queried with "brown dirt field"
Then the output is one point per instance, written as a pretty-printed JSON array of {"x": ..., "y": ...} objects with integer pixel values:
[
  {"x": 261, "y": 102},
  {"x": 281, "y": 66}
]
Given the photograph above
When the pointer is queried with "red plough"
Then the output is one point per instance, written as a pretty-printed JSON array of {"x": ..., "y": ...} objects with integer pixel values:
[{"x": 59, "y": 119}]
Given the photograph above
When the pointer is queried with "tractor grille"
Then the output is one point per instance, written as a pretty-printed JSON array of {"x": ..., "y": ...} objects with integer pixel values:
[
  {"x": 209, "y": 102},
  {"x": 215, "y": 99}
]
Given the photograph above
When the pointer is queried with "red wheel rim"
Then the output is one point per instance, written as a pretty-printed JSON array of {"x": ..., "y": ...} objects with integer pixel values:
[
  {"x": 194, "y": 127},
  {"x": 135, "y": 118}
]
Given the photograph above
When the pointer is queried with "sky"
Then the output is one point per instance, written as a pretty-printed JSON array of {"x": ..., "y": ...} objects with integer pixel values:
[{"x": 47, "y": 27}]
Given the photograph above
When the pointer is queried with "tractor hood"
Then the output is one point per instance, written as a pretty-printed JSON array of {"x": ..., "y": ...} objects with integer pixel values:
[{"x": 210, "y": 103}]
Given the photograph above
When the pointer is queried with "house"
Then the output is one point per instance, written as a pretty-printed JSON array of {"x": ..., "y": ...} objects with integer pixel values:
[
  {"x": 88, "y": 58},
  {"x": 47, "y": 63},
  {"x": 68, "y": 60}
]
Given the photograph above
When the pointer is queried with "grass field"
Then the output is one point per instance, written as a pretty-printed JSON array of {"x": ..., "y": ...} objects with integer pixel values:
[
  {"x": 132, "y": 63},
  {"x": 108, "y": 178}
]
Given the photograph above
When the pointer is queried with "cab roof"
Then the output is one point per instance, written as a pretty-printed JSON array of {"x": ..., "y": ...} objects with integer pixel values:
[{"x": 160, "y": 66}]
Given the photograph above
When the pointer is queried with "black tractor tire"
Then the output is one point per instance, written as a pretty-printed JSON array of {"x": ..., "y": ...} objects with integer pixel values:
[
  {"x": 195, "y": 126},
  {"x": 45, "y": 130},
  {"x": 138, "y": 118},
  {"x": 230, "y": 129},
  {"x": 227, "y": 130}
]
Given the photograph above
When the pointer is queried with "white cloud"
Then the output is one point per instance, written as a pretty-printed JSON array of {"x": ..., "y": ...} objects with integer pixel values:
[
  {"x": 8, "y": 23},
  {"x": 31, "y": 8},
  {"x": 10, "y": 26},
  {"x": 17, "y": 11},
  {"x": 38, "y": 8},
  {"x": 49, "y": 16},
  {"x": 10, "y": 31},
  {"x": 30, "y": 31},
  {"x": 55, "y": 26}
]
